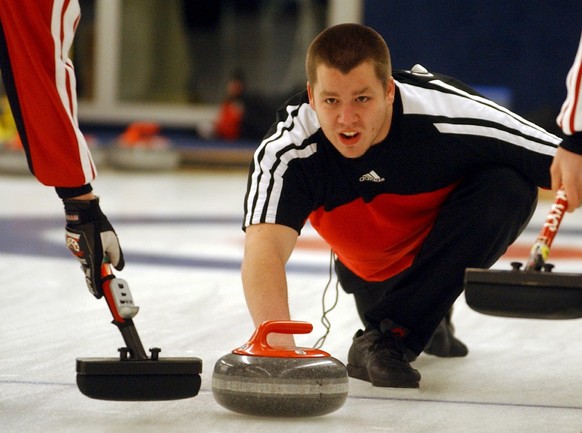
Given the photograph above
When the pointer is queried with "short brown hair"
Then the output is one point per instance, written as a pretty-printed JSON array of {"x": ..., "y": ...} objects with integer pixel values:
[{"x": 346, "y": 46}]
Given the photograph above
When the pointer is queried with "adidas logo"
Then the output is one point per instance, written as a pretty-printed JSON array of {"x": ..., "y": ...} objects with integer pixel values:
[{"x": 371, "y": 177}]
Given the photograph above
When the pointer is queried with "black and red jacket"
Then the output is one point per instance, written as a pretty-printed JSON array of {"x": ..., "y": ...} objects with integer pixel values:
[{"x": 376, "y": 210}]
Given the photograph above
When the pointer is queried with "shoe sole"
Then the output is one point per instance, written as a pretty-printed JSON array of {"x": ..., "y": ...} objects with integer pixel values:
[{"x": 362, "y": 374}]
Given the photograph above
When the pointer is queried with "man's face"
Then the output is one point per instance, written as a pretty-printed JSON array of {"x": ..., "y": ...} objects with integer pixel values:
[{"x": 354, "y": 110}]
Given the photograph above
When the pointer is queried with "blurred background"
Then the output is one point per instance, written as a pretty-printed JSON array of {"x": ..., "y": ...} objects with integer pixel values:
[{"x": 211, "y": 73}]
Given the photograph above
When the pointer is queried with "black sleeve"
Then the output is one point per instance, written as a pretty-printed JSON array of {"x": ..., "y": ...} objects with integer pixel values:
[{"x": 573, "y": 143}]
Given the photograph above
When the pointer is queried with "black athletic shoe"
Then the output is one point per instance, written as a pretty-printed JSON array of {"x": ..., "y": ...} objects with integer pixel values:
[
  {"x": 443, "y": 343},
  {"x": 380, "y": 358}
]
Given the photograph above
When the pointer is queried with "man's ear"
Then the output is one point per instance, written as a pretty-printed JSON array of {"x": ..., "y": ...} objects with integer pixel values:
[
  {"x": 390, "y": 90},
  {"x": 310, "y": 95}
]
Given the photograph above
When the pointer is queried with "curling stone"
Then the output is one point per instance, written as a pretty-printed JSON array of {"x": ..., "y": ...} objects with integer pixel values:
[
  {"x": 141, "y": 147},
  {"x": 257, "y": 379},
  {"x": 144, "y": 159},
  {"x": 13, "y": 162}
]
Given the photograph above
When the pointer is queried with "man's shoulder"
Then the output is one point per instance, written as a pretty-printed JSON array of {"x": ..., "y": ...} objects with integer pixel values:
[
  {"x": 417, "y": 75},
  {"x": 293, "y": 104},
  {"x": 296, "y": 121},
  {"x": 420, "y": 76},
  {"x": 298, "y": 98}
]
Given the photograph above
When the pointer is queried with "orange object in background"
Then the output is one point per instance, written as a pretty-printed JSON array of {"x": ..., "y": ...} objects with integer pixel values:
[
  {"x": 143, "y": 134},
  {"x": 231, "y": 111},
  {"x": 139, "y": 132},
  {"x": 14, "y": 144},
  {"x": 229, "y": 120}
]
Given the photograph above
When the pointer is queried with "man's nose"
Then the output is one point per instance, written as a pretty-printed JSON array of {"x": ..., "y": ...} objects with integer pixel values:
[{"x": 347, "y": 114}]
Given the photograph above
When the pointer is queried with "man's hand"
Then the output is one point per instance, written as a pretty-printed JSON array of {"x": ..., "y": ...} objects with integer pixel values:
[
  {"x": 566, "y": 169},
  {"x": 91, "y": 239}
]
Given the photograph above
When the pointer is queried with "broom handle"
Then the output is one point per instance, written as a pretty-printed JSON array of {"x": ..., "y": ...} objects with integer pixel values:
[
  {"x": 541, "y": 248},
  {"x": 131, "y": 339},
  {"x": 124, "y": 324}
]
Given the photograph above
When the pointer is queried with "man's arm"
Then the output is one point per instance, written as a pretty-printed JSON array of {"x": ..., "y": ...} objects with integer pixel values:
[
  {"x": 267, "y": 249},
  {"x": 566, "y": 170},
  {"x": 567, "y": 165}
]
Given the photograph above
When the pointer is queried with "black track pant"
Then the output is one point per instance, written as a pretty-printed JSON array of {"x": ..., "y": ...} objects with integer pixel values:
[{"x": 476, "y": 225}]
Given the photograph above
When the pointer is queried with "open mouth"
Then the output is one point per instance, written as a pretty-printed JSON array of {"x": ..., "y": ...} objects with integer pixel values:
[{"x": 349, "y": 137}]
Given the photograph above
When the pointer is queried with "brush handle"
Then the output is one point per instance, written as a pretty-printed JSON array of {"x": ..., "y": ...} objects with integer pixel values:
[
  {"x": 132, "y": 340},
  {"x": 540, "y": 250},
  {"x": 121, "y": 320}
]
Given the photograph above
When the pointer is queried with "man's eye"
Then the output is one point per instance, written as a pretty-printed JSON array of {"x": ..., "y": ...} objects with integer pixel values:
[{"x": 362, "y": 99}]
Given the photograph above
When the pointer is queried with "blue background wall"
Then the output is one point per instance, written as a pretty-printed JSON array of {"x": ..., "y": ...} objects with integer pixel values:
[{"x": 525, "y": 45}]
